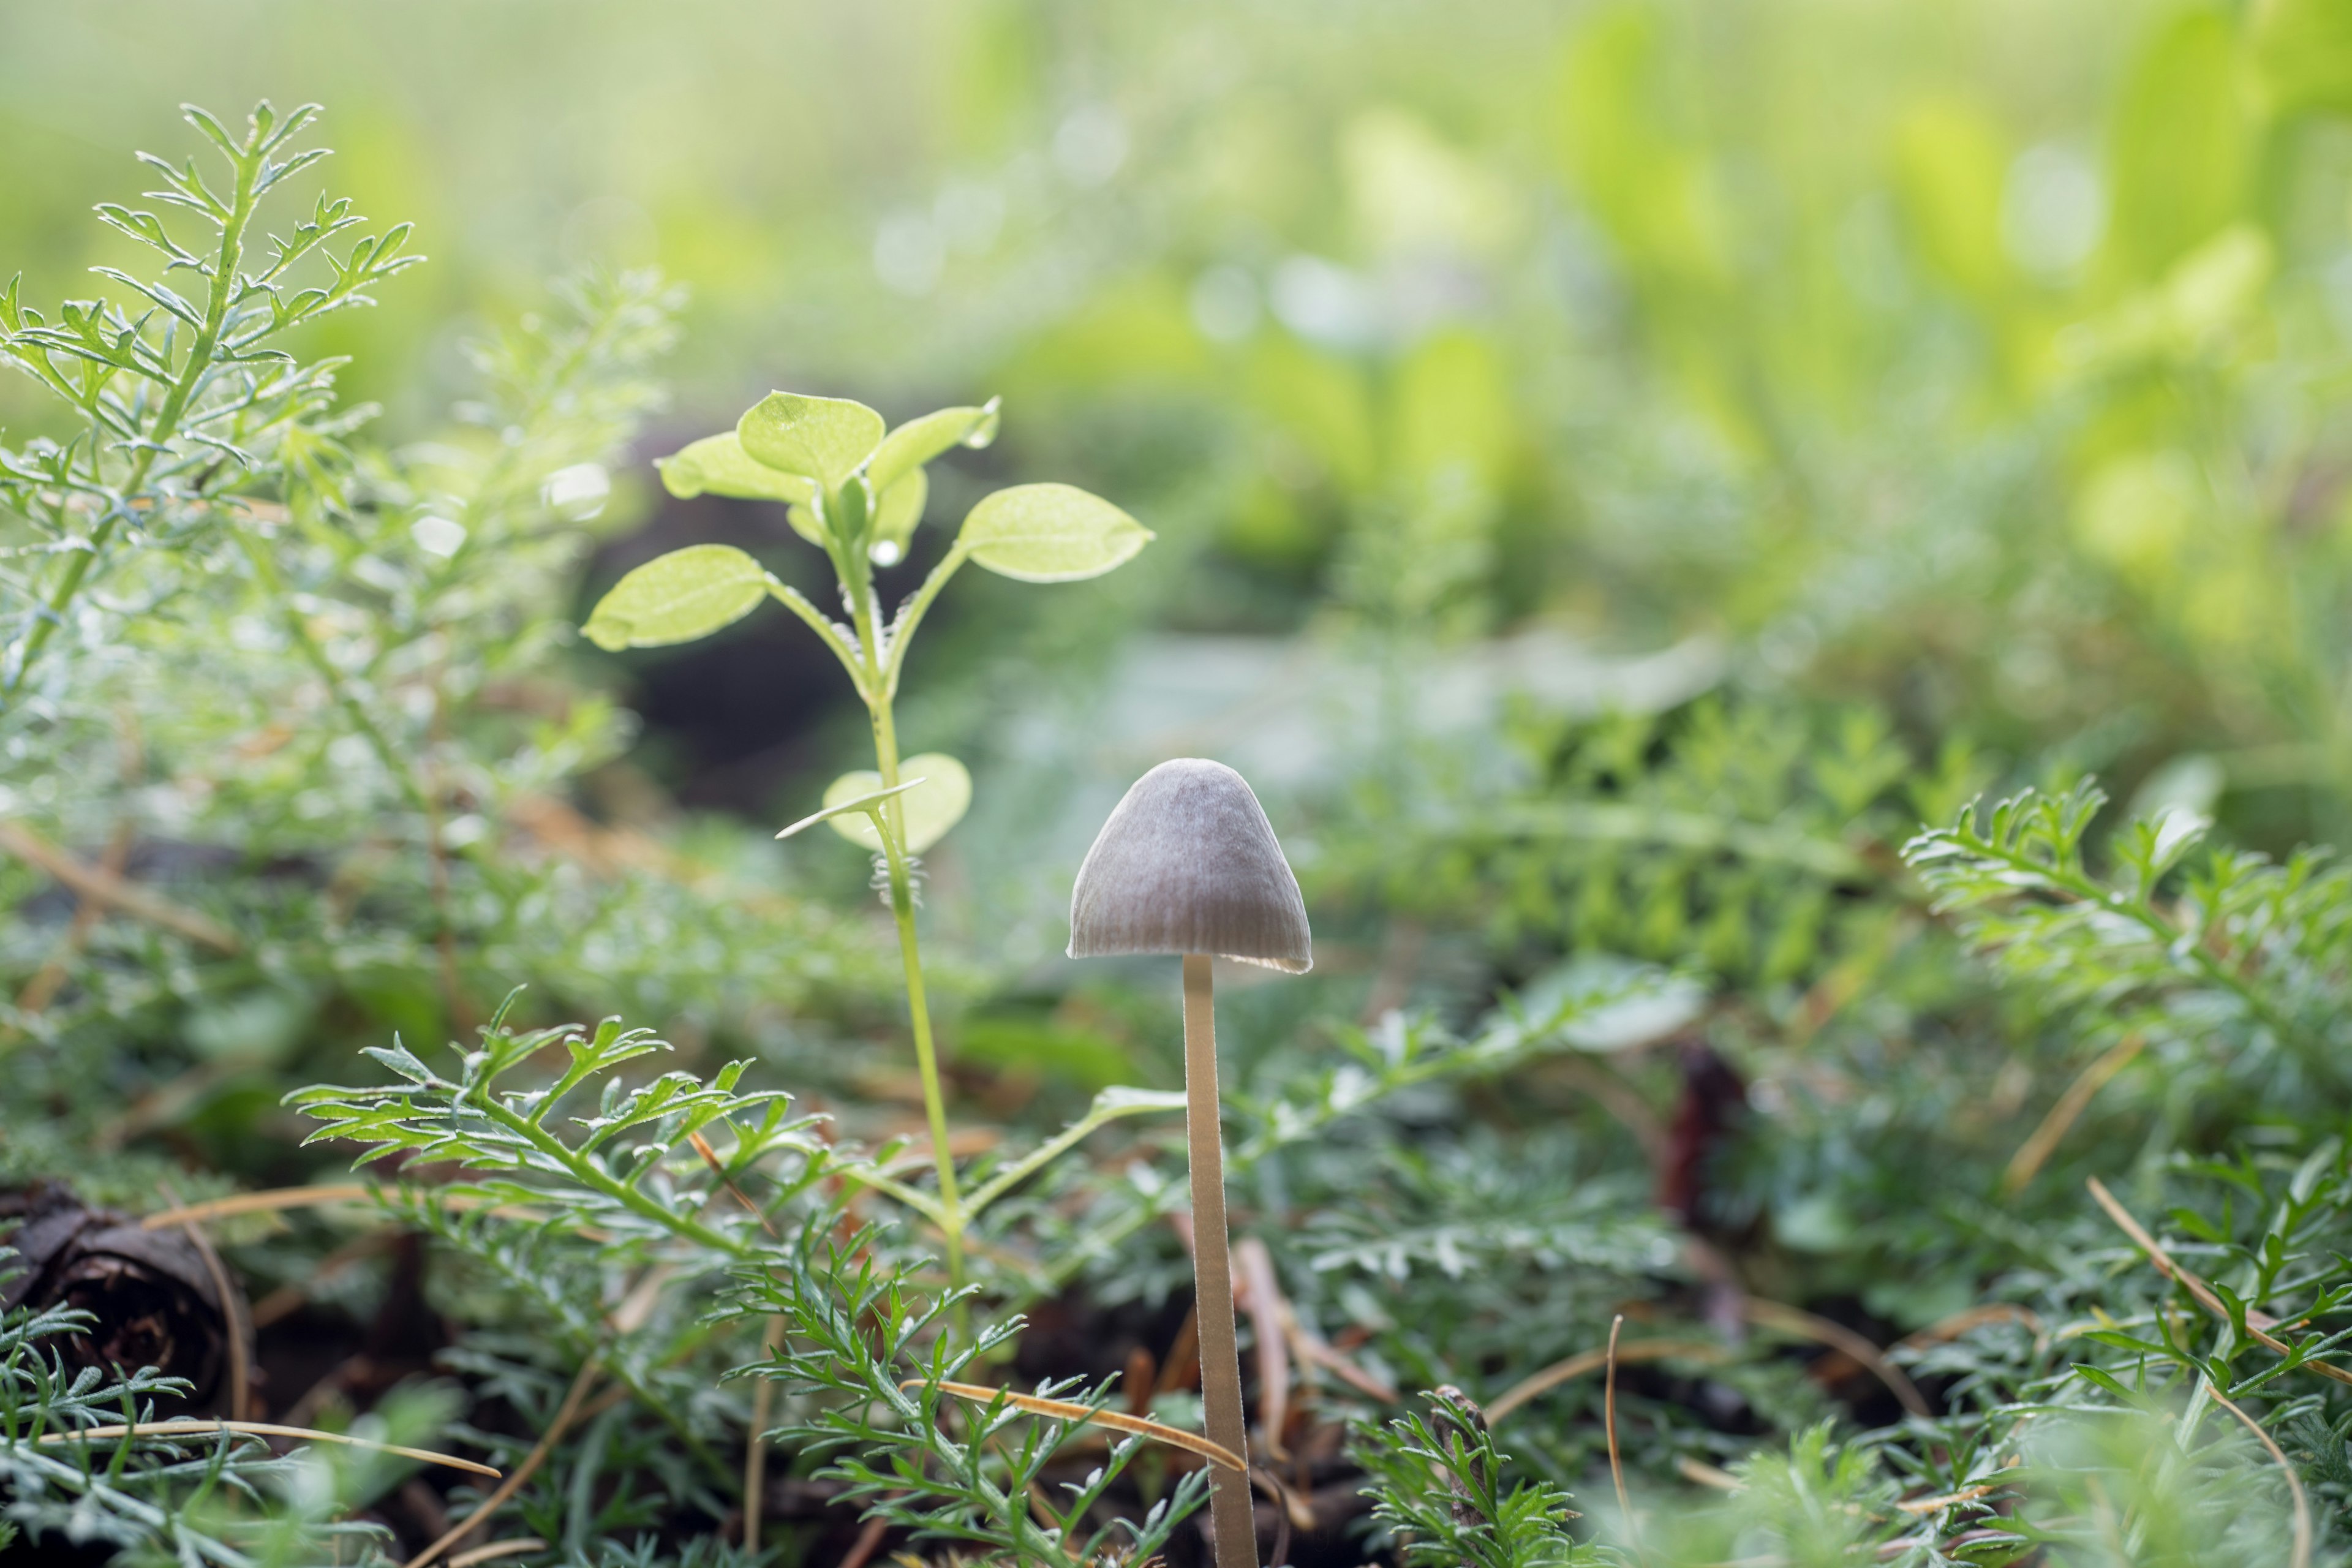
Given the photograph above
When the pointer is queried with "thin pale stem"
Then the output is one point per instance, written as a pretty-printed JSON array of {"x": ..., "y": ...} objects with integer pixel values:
[
  {"x": 1231, "y": 1510},
  {"x": 902, "y": 630},
  {"x": 918, "y": 1007},
  {"x": 820, "y": 622},
  {"x": 755, "y": 1454},
  {"x": 339, "y": 686},
  {"x": 522, "y": 1472},
  {"x": 856, "y": 579}
]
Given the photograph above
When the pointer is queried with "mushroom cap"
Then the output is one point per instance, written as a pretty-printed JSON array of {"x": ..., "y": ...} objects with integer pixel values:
[{"x": 1187, "y": 863}]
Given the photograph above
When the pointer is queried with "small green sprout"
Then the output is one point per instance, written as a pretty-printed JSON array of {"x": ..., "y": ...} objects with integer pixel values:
[{"x": 857, "y": 490}]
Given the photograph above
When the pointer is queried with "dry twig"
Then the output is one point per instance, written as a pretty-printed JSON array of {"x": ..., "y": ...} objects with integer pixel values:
[{"x": 97, "y": 885}]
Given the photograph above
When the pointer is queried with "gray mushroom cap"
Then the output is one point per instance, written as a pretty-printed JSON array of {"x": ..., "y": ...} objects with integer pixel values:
[{"x": 1187, "y": 863}]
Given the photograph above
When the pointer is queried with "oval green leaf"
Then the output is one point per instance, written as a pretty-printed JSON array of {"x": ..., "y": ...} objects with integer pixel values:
[
  {"x": 1050, "y": 533},
  {"x": 718, "y": 464},
  {"x": 821, "y": 439},
  {"x": 677, "y": 597},
  {"x": 917, "y": 441},
  {"x": 804, "y": 523},
  {"x": 895, "y": 519},
  {"x": 931, "y": 808}
]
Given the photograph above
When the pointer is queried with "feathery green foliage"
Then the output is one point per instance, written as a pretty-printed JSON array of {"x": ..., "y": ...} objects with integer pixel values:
[{"x": 1437, "y": 1484}]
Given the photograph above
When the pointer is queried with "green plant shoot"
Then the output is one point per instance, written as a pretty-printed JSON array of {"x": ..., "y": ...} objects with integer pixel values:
[{"x": 856, "y": 490}]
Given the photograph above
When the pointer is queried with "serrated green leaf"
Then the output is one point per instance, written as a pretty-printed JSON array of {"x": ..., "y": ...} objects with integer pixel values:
[
  {"x": 821, "y": 439},
  {"x": 917, "y": 441},
  {"x": 931, "y": 807},
  {"x": 1050, "y": 533},
  {"x": 685, "y": 594},
  {"x": 718, "y": 464}
]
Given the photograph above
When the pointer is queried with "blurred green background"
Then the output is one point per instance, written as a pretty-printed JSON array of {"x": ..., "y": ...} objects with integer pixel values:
[{"x": 1978, "y": 360}]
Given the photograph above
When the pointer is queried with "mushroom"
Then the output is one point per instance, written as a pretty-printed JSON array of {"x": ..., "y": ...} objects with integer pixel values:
[{"x": 1187, "y": 864}]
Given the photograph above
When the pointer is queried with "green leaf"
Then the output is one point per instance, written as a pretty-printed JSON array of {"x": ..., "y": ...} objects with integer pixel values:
[
  {"x": 2181, "y": 146},
  {"x": 685, "y": 594},
  {"x": 2303, "y": 51},
  {"x": 849, "y": 803},
  {"x": 1110, "y": 1105},
  {"x": 719, "y": 465},
  {"x": 1121, "y": 1101},
  {"x": 804, "y": 523},
  {"x": 822, "y": 438},
  {"x": 931, "y": 808},
  {"x": 901, "y": 508},
  {"x": 1050, "y": 533},
  {"x": 917, "y": 441},
  {"x": 2106, "y": 1380}
]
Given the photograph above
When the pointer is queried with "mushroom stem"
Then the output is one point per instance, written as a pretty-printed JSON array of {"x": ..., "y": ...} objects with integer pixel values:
[{"x": 1212, "y": 1271}]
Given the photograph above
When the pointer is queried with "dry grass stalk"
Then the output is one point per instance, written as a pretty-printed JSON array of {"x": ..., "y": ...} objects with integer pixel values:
[
  {"x": 1927, "y": 1505},
  {"x": 288, "y": 1299},
  {"x": 234, "y": 1325},
  {"x": 1773, "y": 1315},
  {"x": 529, "y": 1467},
  {"x": 277, "y": 1200},
  {"x": 193, "y": 1426},
  {"x": 1064, "y": 1410},
  {"x": 1788, "y": 1320},
  {"x": 2301, "y": 1555},
  {"x": 43, "y": 988},
  {"x": 755, "y": 1442},
  {"x": 869, "y": 1540},
  {"x": 2035, "y": 1151},
  {"x": 1587, "y": 1361},
  {"x": 1704, "y": 1474},
  {"x": 1609, "y": 1424},
  {"x": 498, "y": 1549},
  {"x": 719, "y": 1168},
  {"x": 1262, "y": 1297},
  {"x": 95, "y": 884},
  {"x": 1975, "y": 1316},
  {"x": 1313, "y": 1350},
  {"x": 1183, "y": 1363},
  {"x": 2197, "y": 1288}
]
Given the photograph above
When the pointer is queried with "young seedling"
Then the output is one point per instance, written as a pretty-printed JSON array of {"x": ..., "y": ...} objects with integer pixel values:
[
  {"x": 1187, "y": 864},
  {"x": 856, "y": 491}
]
